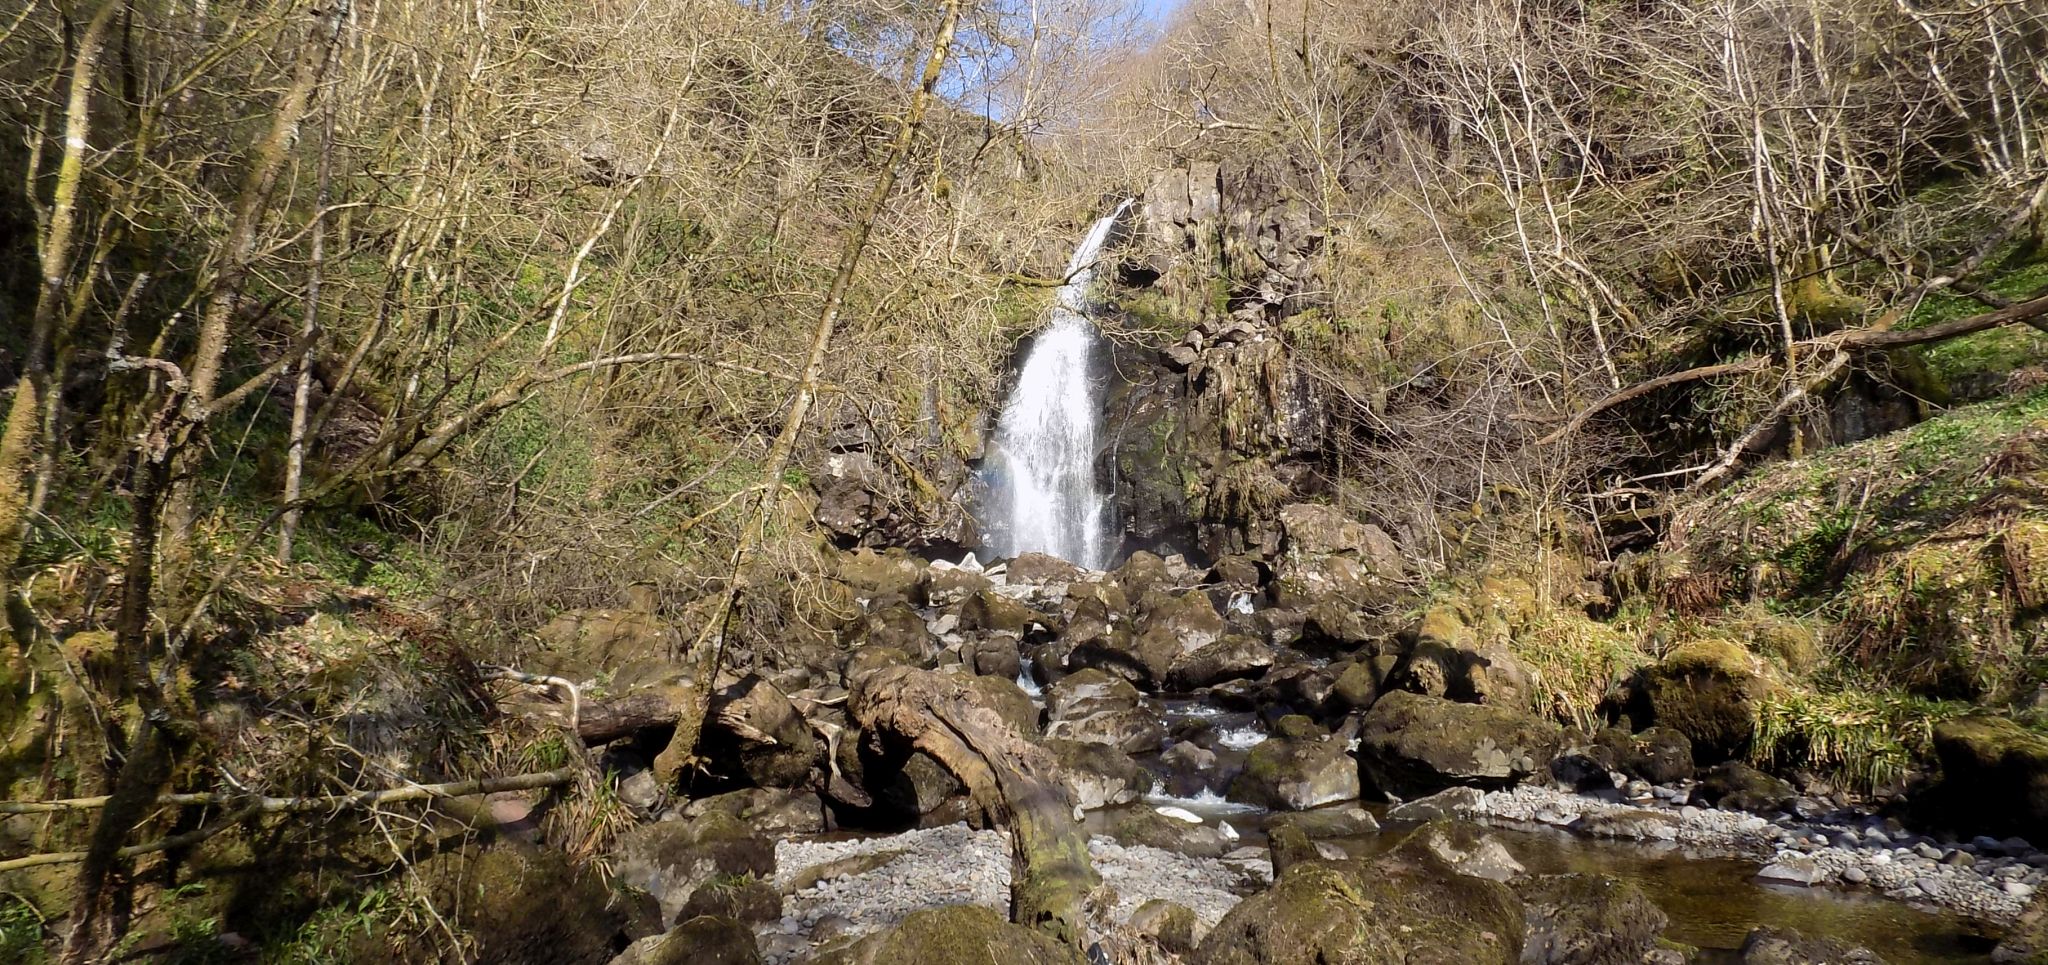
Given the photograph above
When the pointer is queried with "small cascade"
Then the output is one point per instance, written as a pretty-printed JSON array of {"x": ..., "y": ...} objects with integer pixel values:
[{"x": 1042, "y": 491}]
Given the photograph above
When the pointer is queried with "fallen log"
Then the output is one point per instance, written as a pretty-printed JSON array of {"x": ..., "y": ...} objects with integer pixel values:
[{"x": 1014, "y": 782}]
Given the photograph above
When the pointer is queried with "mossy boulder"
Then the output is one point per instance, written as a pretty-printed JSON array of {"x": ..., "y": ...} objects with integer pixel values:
[
  {"x": 772, "y": 811},
  {"x": 1009, "y": 701},
  {"x": 1660, "y": 755},
  {"x": 1315, "y": 529},
  {"x": 1587, "y": 919},
  {"x": 994, "y": 655},
  {"x": 1099, "y": 775},
  {"x": 882, "y": 578},
  {"x": 1405, "y": 908},
  {"x": 1039, "y": 569},
  {"x": 1142, "y": 572},
  {"x": 1739, "y": 787},
  {"x": 1411, "y": 745},
  {"x": 754, "y": 729},
  {"x": 1994, "y": 776},
  {"x": 1147, "y": 827},
  {"x": 1783, "y": 946},
  {"x": 946, "y": 586},
  {"x": 699, "y": 941},
  {"x": 1172, "y": 627},
  {"x": 745, "y": 898},
  {"x": 953, "y": 935},
  {"x": 672, "y": 859},
  {"x": 897, "y": 626},
  {"x": 1707, "y": 689},
  {"x": 868, "y": 659},
  {"x": 990, "y": 610},
  {"x": 532, "y": 907},
  {"x": 1285, "y": 774},
  {"x": 1172, "y": 926}
]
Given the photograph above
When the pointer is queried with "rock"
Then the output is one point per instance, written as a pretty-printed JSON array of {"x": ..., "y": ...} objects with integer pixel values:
[
  {"x": 755, "y": 725},
  {"x": 697, "y": 941},
  {"x": 995, "y": 655},
  {"x": 640, "y": 789},
  {"x": 1238, "y": 573},
  {"x": 625, "y": 648},
  {"x": 1009, "y": 701},
  {"x": 1234, "y": 657},
  {"x": 1587, "y": 919},
  {"x": 2026, "y": 942},
  {"x": 1095, "y": 707},
  {"x": 897, "y": 626},
  {"x": 1145, "y": 826},
  {"x": 1038, "y": 569},
  {"x": 1189, "y": 768},
  {"x": 1411, "y": 745},
  {"x": 1173, "y": 628},
  {"x": 1456, "y": 802},
  {"x": 1356, "y": 688},
  {"x": 1099, "y": 775},
  {"x": 1295, "y": 775},
  {"x": 1584, "y": 767},
  {"x": 953, "y": 934},
  {"x": 1332, "y": 822},
  {"x": 1300, "y": 686},
  {"x": 1141, "y": 573},
  {"x": 525, "y": 905},
  {"x": 769, "y": 811},
  {"x": 1466, "y": 850},
  {"x": 1740, "y": 787},
  {"x": 1405, "y": 907},
  {"x": 1708, "y": 690},
  {"x": 1173, "y": 926},
  {"x": 869, "y": 659},
  {"x": 1994, "y": 775},
  {"x": 745, "y": 898},
  {"x": 1789, "y": 870},
  {"x": 881, "y": 578},
  {"x": 992, "y": 611},
  {"x": 1855, "y": 875},
  {"x": 1303, "y": 583},
  {"x": 953, "y": 585},
  {"x": 672, "y": 859},
  {"x": 1660, "y": 755},
  {"x": 1317, "y": 530},
  {"x": 1783, "y": 946}
]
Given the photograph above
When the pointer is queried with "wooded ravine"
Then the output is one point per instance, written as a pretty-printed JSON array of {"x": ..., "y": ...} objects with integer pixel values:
[{"x": 1278, "y": 482}]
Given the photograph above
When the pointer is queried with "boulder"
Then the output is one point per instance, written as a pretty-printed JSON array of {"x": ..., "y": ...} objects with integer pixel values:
[
  {"x": 1302, "y": 583},
  {"x": 1009, "y": 701},
  {"x": 746, "y": 898},
  {"x": 1172, "y": 926},
  {"x": 1356, "y": 688},
  {"x": 1191, "y": 769},
  {"x": 1142, "y": 572},
  {"x": 1241, "y": 574},
  {"x": 1708, "y": 690},
  {"x": 532, "y": 905},
  {"x": 1411, "y": 745},
  {"x": 1403, "y": 908},
  {"x": 1994, "y": 776},
  {"x": 882, "y": 578},
  {"x": 1296, "y": 685},
  {"x": 672, "y": 859},
  {"x": 697, "y": 941},
  {"x": 1739, "y": 787},
  {"x": 953, "y": 934},
  {"x": 952, "y": 585},
  {"x": 1172, "y": 628},
  {"x": 1099, "y": 775},
  {"x": 867, "y": 660},
  {"x": 1783, "y": 946},
  {"x": 1587, "y": 919},
  {"x": 1039, "y": 569},
  {"x": 1316, "y": 530},
  {"x": 1144, "y": 826},
  {"x": 1464, "y": 849},
  {"x": 625, "y": 648},
  {"x": 1295, "y": 775},
  {"x": 1092, "y": 706},
  {"x": 1234, "y": 657},
  {"x": 753, "y": 724},
  {"x": 1331, "y": 822},
  {"x": 994, "y": 655},
  {"x": 770, "y": 811},
  {"x": 897, "y": 626},
  {"x": 1659, "y": 755},
  {"x": 989, "y": 610}
]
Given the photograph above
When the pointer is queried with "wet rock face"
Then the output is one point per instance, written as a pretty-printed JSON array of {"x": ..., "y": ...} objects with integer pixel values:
[{"x": 1412, "y": 745}]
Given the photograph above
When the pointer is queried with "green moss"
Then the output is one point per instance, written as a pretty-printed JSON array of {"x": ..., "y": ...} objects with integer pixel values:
[{"x": 1860, "y": 738}]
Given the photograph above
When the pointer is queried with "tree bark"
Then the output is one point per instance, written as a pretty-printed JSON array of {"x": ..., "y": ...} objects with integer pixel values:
[{"x": 1013, "y": 781}]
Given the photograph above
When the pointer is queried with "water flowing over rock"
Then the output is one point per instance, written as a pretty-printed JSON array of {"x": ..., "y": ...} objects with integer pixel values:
[{"x": 1042, "y": 491}]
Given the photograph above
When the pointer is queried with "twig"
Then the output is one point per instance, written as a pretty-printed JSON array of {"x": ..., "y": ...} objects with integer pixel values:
[{"x": 289, "y": 805}]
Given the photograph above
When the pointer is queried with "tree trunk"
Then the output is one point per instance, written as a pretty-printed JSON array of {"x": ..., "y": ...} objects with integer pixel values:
[{"x": 1015, "y": 782}]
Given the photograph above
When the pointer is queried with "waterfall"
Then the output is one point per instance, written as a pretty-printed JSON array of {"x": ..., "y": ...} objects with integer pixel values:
[{"x": 1042, "y": 494}]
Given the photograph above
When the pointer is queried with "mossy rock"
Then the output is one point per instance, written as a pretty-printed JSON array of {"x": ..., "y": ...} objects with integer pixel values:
[
  {"x": 1412, "y": 745},
  {"x": 953, "y": 935},
  {"x": 1144, "y": 826},
  {"x": 531, "y": 907},
  {"x": 2026, "y": 942},
  {"x": 881, "y": 577},
  {"x": 1708, "y": 689},
  {"x": 1784, "y": 946},
  {"x": 1171, "y": 925},
  {"x": 744, "y": 898},
  {"x": 1739, "y": 787},
  {"x": 672, "y": 859},
  {"x": 1406, "y": 908},
  {"x": 705, "y": 940},
  {"x": 1994, "y": 776},
  {"x": 1296, "y": 774},
  {"x": 1588, "y": 919}
]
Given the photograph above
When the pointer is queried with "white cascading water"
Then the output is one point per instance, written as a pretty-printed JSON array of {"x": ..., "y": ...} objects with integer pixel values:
[{"x": 1042, "y": 489}]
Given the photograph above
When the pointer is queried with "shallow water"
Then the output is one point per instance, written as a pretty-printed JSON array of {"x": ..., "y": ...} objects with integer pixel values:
[{"x": 1713, "y": 903}]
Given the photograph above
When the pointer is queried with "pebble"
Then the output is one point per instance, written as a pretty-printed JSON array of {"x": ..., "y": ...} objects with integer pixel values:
[
  {"x": 2018, "y": 889},
  {"x": 1855, "y": 875},
  {"x": 1959, "y": 858},
  {"x": 1928, "y": 851}
]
